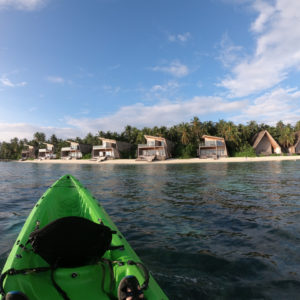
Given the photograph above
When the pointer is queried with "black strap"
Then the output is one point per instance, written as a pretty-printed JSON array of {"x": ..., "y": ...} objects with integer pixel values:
[
  {"x": 17, "y": 272},
  {"x": 119, "y": 247},
  {"x": 57, "y": 287},
  {"x": 2, "y": 277},
  {"x": 24, "y": 248},
  {"x": 111, "y": 272},
  {"x": 103, "y": 277},
  {"x": 30, "y": 271}
]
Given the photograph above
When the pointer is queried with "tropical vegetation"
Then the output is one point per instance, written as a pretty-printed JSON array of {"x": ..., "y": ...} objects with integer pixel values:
[{"x": 184, "y": 136}]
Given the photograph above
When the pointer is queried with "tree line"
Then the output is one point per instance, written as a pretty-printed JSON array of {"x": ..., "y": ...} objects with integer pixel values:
[{"x": 184, "y": 136}]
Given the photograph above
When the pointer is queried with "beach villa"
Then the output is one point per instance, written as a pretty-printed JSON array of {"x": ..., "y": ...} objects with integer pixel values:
[
  {"x": 212, "y": 147},
  {"x": 265, "y": 144},
  {"x": 75, "y": 150},
  {"x": 295, "y": 149},
  {"x": 47, "y": 153},
  {"x": 110, "y": 149},
  {"x": 155, "y": 148},
  {"x": 28, "y": 152}
]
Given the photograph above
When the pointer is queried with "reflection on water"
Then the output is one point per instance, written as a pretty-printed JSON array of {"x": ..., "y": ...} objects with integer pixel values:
[{"x": 207, "y": 231}]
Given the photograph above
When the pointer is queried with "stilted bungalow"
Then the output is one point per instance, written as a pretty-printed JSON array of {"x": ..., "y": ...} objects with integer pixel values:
[
  {"x": 265, "y": 144},
  {"x": 212, "y": 147},
  {"x": 75, "y": 150},
  {"x": 28, "y": 152},
  {"x": 155, "y": 148},
  {"x": 295, "y": 149},
  {"x": 47, "y": 153},
  {"x": 110, "y": 149}
]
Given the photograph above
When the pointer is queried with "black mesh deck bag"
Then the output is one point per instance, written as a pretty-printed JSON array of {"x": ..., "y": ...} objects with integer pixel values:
[{"x": 71, "y": 242}]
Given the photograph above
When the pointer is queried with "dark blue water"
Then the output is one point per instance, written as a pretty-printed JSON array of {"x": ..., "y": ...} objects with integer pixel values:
[{"x": 207, "y": 231}]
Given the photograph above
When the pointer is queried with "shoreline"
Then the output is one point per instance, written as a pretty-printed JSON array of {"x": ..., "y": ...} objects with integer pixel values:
[{"x": 169, "y": 161}]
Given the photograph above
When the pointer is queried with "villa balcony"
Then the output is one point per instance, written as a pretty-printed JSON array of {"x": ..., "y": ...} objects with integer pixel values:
[{"x": 211, "y": 144}]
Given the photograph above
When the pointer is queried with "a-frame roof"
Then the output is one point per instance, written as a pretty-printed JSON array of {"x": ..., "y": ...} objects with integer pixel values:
[{"x": 260, "y": 137}]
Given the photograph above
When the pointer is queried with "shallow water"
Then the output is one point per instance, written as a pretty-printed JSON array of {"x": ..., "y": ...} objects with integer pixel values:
[{"x": 207, "y": 231}]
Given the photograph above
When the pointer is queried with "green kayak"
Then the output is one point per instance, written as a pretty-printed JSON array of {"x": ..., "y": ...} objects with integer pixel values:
[{"x": 69, "y": 248}]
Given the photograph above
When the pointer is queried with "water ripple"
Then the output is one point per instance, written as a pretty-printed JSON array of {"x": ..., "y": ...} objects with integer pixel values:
[{"x": 209, "y": 231}]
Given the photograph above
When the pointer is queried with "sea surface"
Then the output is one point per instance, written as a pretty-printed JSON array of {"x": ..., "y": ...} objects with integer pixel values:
[{"x": 206, "y": 231}]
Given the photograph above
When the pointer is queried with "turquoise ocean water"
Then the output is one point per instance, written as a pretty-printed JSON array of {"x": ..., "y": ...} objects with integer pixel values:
[{"x": 206, "y": 231}]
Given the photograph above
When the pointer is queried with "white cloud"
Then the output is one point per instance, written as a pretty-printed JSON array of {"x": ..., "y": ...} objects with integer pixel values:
[
  {"x": 22, "y": 4},
  {"x": 229, "y": 53},
  {"x": 181, "y": 37},
  {"x": 277, "y": 30},
  {"x": 279, "y": 104},
  {"x": 56, "y": 79},
  {"x": 8, "y": 83},
  {"x": 111, "y": 89},
  {"x": 175, "y": 68},
  {"x": 139, "y": 115},
  {"x": 266, "y": 10},
  {"x": 164, "y": 113},
  {"x": 167, "y": 87},
  {"x": 25, "y": 130}
]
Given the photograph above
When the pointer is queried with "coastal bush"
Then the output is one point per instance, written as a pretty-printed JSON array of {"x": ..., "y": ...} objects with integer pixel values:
[
  {"x": 185, "y": 138},
  {"x": 87, "y": 156},
  {"x": 246, "y": 151},
  {"x": 188, "y": 151}
]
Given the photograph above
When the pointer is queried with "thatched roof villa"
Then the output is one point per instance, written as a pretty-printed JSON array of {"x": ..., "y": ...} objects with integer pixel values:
[
  {"x": 265, "y": 144},
  {"x": 295, "y": 149}
]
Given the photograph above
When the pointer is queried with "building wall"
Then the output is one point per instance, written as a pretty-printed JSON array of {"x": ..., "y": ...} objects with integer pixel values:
[
  {"x": 264, "y": 146},
  {"x": 297, "y": 149}
]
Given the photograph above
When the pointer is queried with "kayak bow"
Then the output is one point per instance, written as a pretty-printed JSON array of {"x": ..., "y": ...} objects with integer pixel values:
[{"x": 29, "y": 271}]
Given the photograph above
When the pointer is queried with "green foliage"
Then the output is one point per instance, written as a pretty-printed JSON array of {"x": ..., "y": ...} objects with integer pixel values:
[
  {"x": 186, "y": 151},
  {"x": 128, "y": 154},
  {"x": 87, "y": 156},
  {"x": 246, "y": 151},
  {"x": 184, "y": 136},
  {"x": 39, "y": 136}
]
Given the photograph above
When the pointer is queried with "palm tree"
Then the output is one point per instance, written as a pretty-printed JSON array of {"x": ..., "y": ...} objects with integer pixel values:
[
  {"x": 287, "y": 136},
  {"x": 185, "y": 133},
  {"x": 197, "y": 129},
  {"x": 40, "y": 137},
  {"x": 297, "y": 126}
]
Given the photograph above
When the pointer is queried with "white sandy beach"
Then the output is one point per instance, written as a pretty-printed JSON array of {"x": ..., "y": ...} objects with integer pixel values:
[{"x": 169, "y": 161}]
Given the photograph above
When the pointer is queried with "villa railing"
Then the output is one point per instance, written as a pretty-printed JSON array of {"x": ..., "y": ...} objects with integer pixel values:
[
  {"x": 147, "y": 145},
  {"x": 100, "y": 147},
  {"x": 211, "y": 143}
]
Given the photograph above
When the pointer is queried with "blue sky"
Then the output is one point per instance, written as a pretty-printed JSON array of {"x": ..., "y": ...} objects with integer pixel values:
[{"x": 71, "y": 68}]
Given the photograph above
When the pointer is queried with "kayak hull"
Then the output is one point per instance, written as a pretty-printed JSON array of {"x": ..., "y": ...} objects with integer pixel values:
[{"x": 67, "y": 197}]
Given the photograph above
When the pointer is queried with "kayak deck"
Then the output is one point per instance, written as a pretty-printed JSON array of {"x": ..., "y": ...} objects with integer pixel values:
[{"x": 67, "y": 197}]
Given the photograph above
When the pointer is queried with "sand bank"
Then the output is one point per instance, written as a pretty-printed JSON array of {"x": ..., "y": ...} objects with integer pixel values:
[{"x": 169, "y": 161}]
